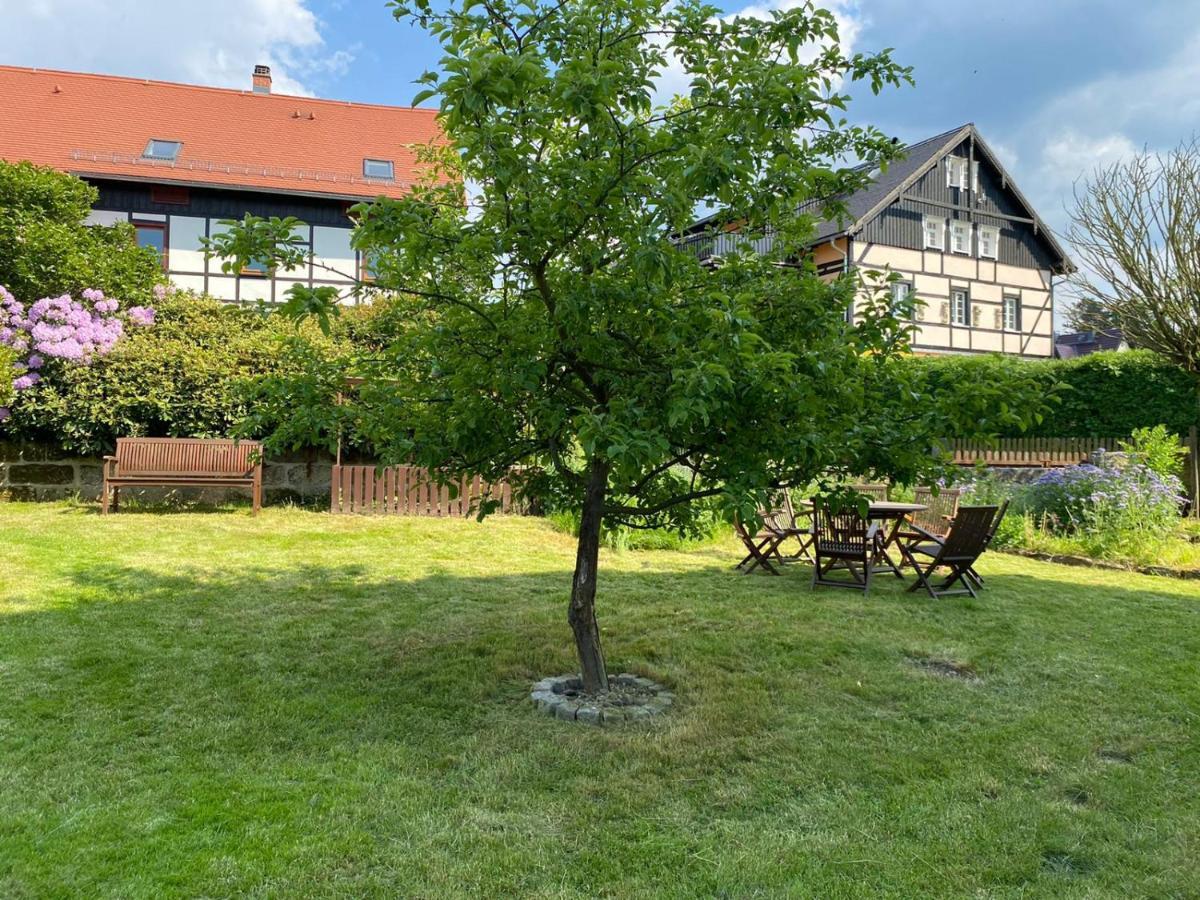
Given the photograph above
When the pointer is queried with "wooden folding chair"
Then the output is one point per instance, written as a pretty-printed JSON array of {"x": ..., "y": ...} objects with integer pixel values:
[
  {"x": 871, "y": 491},
  {"x": 964, "y": 544},
  {"x": 760, "y": 547},
  {"x": 784, "y": 521},
  {"x": 933, "y": 522},
  {"x": 843, "y": 540},
  {"x": 971, "y": 573}
]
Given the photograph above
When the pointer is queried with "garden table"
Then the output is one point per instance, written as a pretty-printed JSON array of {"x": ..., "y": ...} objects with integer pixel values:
[{"x": 885, "y": 511}]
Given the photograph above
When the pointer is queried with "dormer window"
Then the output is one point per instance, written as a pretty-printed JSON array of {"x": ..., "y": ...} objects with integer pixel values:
[
  {"x": 957, "y": 169},
  {"x": 379, "y": 168},
  {"x": 158, "y": 149}
]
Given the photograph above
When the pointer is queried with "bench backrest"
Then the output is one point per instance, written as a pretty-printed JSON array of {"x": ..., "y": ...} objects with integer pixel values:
[{"x": 195, "y": 457}]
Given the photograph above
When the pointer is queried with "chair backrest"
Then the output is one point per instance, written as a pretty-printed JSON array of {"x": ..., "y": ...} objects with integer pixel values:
[
  {"x": 183, "y": 457},
  {"x": 939, "y": 509},
  {"x": 969, "y": 533},
  {"x": 997, "y": 520},
  {"x": 843, "y": 527},
  {"x": 873, "y": 491}
]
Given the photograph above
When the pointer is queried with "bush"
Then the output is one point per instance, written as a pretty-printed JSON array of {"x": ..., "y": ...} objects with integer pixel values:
[
  {"x": 1158, "y": 449},
  {"x": 1102, "y": 395},
  {"x": 47, "y": 250},
  {"x": 185, "y": 377}
]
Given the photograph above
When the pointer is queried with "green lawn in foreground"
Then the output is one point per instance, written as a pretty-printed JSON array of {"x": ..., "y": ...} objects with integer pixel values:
[{"x": 301, "y": 705}]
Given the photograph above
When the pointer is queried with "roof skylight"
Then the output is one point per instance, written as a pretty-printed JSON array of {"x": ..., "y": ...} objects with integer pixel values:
[
  {"x": 158, "y": 149},
  {"x": 379, "y": 168}
]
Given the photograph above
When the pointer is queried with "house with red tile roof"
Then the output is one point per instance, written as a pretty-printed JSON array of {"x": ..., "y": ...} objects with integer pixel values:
[{"x": 176, "y": 159}]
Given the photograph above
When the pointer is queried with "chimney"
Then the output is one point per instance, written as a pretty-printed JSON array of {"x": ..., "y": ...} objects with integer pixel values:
[{"x": 261, "y": 81}]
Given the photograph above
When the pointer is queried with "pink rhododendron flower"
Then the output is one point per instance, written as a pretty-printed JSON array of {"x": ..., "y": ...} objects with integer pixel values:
[{"x": 61, "y": 328}]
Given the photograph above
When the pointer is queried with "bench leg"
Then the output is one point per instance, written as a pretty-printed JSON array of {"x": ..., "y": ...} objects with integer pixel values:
[
  {"x": 104, "y": 498},
  {"x": 116, "y": 499}
]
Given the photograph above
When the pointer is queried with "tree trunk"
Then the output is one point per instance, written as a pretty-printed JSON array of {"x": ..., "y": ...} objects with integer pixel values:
[{"x": 582, "y": 613}]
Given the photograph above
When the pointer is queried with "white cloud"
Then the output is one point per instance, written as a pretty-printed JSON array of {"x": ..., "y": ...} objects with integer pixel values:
[
  {"x": 1068, "y": 156},
  {"x": 217, "y": 42},
  {"x": 850, "y": 23}
]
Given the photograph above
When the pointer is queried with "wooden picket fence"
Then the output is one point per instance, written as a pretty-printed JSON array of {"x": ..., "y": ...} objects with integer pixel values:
[
  {"x": 1032, "y": 451},
  {"x": 410, "y": 491}
]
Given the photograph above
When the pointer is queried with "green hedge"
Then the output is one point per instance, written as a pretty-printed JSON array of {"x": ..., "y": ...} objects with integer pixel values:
[{"x": 1102, "y": 395}]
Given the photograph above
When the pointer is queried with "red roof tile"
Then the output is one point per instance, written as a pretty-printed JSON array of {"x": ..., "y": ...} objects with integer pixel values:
[{"x": 98, "y": 125}]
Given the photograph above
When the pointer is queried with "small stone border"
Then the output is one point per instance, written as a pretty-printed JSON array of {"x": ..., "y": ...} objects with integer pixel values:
[
  {"x": 561, "y": 698},
  {"x": 1088, "y": 563}
]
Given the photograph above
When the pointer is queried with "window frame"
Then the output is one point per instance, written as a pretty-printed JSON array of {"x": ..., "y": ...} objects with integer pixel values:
[
  {"x": 161, "y": 228},
  {"x": 1010, "y": 302},
  {"x": 146, "y": 154},
  {"x": 958, "y": 172},
  {"x": 965, "y": 294},
  {"x": 941, "y": 232},
  {"x": 908, "y": 292},
  {"x": 391, "y": 168},
  {"x": 994, "y": 232},
  {"x": 966, "y": 226}
]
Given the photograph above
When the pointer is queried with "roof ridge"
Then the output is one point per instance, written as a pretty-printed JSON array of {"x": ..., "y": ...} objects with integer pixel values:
[{"x": 207, "y": 87}]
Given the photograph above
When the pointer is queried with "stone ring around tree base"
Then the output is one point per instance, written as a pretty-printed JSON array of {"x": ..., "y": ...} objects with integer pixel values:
[{"x": 630, "y": 698}]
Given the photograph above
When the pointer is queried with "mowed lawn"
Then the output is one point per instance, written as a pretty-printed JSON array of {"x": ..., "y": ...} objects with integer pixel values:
[{"x": 207, "y": 704}]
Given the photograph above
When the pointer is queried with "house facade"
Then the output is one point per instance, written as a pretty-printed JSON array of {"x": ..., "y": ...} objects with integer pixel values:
[
  {"x": 950, "y": 225},
  {"x": 175, "y": 160}
]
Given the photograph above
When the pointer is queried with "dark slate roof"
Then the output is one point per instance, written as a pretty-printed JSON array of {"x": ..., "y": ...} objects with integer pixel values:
[
  {"x": 887, "y": 186},
  {"x": 916, "y": 157},
  {"x": 1081, "y": 343}
]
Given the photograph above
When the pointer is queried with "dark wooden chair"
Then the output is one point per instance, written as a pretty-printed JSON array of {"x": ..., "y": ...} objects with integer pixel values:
[
  {"x": 843, "y": 540},
  {"x": 760, "y": 546},
  {"x": 785, "y": 521},
  {"x": 933, "y": 522},
  {"x": 971, "y": 573},
  {"x": 871, "y": 491},
  {"x": 182, "y": 462},
  {"x": 965, "y": 543}
]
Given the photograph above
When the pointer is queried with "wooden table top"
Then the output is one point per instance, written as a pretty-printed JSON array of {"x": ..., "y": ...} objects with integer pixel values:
[{"x": 880, "y": 509}]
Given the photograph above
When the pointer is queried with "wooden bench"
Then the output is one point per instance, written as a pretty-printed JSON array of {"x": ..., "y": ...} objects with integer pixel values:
[{"x": 182, "y": 462}]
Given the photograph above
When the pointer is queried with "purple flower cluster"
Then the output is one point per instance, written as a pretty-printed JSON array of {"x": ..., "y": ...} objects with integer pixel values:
[
  {"x": 1077, "y": 495},
  {"x": 61, "y": 328}
]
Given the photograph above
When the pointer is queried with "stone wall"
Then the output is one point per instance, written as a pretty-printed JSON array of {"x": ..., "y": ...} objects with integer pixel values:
[{"x": 35, "y": 472}]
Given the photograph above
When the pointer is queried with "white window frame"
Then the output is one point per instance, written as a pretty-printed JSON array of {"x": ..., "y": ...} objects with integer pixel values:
[
  {"x": 901, "y": 291},
  {"x": 379, "y": 164},
  {"x": 939, "y": 228},
  {"x": 963, "y": 294},
  {"x": 956, "y": 171},
  {"x": 989, "y": 235},
  {"x": 1010, "y": 316},
  {"x": 960, "y": 228}
]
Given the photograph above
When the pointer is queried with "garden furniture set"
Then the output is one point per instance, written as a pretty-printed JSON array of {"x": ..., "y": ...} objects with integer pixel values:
[{"x": 933, "y": 532}]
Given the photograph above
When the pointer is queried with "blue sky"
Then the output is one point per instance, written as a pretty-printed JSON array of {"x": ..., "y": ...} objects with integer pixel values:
[{"x": 1056, "y": 86}]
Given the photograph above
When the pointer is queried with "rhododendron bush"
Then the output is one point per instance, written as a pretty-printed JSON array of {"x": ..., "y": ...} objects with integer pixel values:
[{"x": 60, "y": 328}]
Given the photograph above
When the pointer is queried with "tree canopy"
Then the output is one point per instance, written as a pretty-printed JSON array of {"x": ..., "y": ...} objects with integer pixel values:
[{"x": 548, "y": 318}]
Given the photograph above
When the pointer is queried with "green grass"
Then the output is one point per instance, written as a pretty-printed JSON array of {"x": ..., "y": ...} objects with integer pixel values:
[{"x": 300, "y": 705}]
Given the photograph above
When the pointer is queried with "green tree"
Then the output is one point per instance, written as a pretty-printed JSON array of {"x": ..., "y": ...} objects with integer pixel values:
[
  {"x": 550, "y": 320},
  {"x": 47, "y": 250},
  {"x": 1090, "y": 314}
]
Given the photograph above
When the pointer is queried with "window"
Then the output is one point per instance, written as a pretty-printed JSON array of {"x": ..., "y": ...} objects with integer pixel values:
[
  {"x": 378, "y": 168},
  {"x": 366, "y": 266},
  {"x": 169, "y": 194},
  {"x": 157, "y": 149},
  {"x": 153, "y": 235},
  {"x": 935, "y": 233},
  {"x": 960, "y": 236},
  {"x": 989, "y": 241},
  {"x": 900, "y": 294},
  {"x": 960, "y": 307},
  {"x": 1012, "y": 313},
  {"x": 956, "y": 171}
]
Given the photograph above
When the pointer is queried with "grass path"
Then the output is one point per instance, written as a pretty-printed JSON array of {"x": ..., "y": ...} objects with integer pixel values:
[{"x": 301, "y": 705}]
